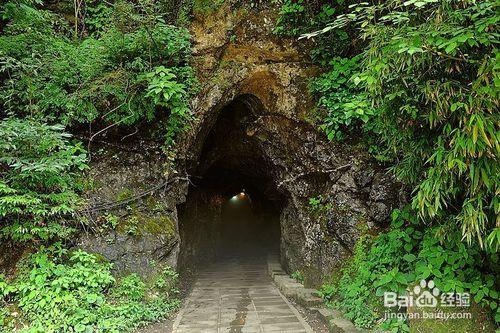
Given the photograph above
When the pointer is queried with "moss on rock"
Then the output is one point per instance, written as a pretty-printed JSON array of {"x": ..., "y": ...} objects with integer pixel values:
[
  {"x": 162, "y": 225},
  {"x": 468, "y": 319},
  {"x": 139, "y": 223},
  {"x": 124, "y": 194}
]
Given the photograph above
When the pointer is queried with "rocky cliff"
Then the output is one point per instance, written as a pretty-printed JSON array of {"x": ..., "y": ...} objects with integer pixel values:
[{"x": 251, "y": 121}]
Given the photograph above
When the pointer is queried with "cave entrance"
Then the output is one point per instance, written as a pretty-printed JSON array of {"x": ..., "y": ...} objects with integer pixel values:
[{"x": 233, "y": 206}]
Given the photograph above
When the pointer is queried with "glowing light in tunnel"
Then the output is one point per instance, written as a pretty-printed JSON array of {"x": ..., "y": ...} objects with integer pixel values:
[{"x": 238, "y": 197}]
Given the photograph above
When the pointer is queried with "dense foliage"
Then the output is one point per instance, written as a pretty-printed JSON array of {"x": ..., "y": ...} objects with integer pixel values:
[
  {"x": 62, "y": 291},
  {"x": 100, "y": 75},
  {"x": 86, "y": 68},
  {"x": 415, "y": 81},
  {"x": 347, "y": 106},
  {"x": 113, "y": 64},
  {"x": 300, "y": 16},
  {"x": 434, "y": 85},
  {"x": 38, "y": 179},
  {"x": 406, "y": 253},
  {"x": 429, "y": 79},
  {"x": 419, "y": 85}
]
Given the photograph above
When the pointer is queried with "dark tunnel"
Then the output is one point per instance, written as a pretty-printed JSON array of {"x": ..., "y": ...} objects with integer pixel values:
[{"x": 233, "y": 206}]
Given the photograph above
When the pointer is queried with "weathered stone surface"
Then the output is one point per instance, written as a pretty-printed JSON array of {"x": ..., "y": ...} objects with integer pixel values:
[
  {"x": 133, "y": 254},
  {"x": 237, "y": 57},
  {"x": 306, "y": 297},
  {"x": 235, "y": 294},
  {"x": 145, "y": 233}
]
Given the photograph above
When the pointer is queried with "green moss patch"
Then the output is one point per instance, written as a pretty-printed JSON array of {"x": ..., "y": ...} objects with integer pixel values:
[
  {"x": 138, "y": 223},
  {"x": 204, "y": 7},
  {"x": 460, "y": 320}
]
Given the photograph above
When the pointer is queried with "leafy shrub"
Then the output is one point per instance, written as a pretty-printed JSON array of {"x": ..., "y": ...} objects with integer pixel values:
[
  {"x": 344, "y": 106},
  {"x": 298, "y": 276},
  {"x": 165, "y": 91},
  {"x": 48, "y": 74},
  {"x": 130, "y": 287},
  {"x": 297, "y": 17},
  {"x": 396, "y": 259},
  {"x": 420, "y": 86},
  {"x": 39, "y": 170},
  {"x": 291, "y": 14},
  {"x": 98, "y": 18},
  {"x": 167, "y": 281},
  {"x": 429, "y": 69},
  {"x": 61, "y": 291},
  {"x": 60, "y": 70}
]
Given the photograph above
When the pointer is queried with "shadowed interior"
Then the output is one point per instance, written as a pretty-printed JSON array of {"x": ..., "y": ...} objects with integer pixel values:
[{"x": 231, "y": 161}]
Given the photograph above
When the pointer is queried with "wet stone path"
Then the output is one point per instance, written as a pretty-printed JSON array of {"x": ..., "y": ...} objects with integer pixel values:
[{"x": 236, "y": 295}]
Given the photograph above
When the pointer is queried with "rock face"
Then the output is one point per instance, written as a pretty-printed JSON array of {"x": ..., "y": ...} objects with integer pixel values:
[
  {"x": 135, "y": 208},
  {"x": 238, "y": 58},
  {"x": 251, "y": 122}
]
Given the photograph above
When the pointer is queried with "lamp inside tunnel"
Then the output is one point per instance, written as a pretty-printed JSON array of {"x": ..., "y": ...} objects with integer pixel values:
[{"x": 240, "y": 197}]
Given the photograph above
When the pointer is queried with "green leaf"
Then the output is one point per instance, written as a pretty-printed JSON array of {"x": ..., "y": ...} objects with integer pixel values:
[
  {"x": 409, "y": 257},
  {"x": 479, "y": 296},
  {"x": 80, "y": 328}
]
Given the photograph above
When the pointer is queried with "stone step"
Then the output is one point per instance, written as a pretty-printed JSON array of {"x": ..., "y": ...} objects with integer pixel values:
[
  {"x": 307, "y": 297},
  {"x": 335, "y": 322}
]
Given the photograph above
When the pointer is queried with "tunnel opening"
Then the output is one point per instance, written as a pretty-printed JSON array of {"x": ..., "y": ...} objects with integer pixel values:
[{"x": 233, "y": 205}]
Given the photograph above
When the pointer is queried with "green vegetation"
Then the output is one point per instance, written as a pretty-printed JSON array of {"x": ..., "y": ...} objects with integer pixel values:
[
  {"x": 61, "y": 291},
  {"x": 347, "y": 106},
  {"x": 38, "y": 180},
  {"x": 418, "y": 82},
  {"x": 205, "y": 7},
  {"x": 298, "y": 276},
  {"x": 100, "y": 75},
  {"x": 63, "y": 68},
  {"x": 299, "y": 16},
  {"x": 84, "y": 68},
  {"x": 415, "y": 82},
  {"x": 426, "y": 103},
  {"x": 406, "y": 253}
]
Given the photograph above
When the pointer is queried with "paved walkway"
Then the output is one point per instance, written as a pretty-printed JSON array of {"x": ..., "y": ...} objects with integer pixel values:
[{"x": 236, "y": 295}]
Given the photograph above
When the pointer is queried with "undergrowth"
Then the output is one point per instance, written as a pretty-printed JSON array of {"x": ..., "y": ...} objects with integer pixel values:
[
  {"x": 416, "y": 84},
  {"x": 57, "y": 290},
  {"x": 40, "y": 180},
  {"x": 98, "y": 72},
  {"x": 395, "y": 260},
  {"x": 72, "y": 72}
]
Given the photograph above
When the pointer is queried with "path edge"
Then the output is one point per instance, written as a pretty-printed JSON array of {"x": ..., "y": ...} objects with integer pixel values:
[{"x": 307, "y": 297}]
